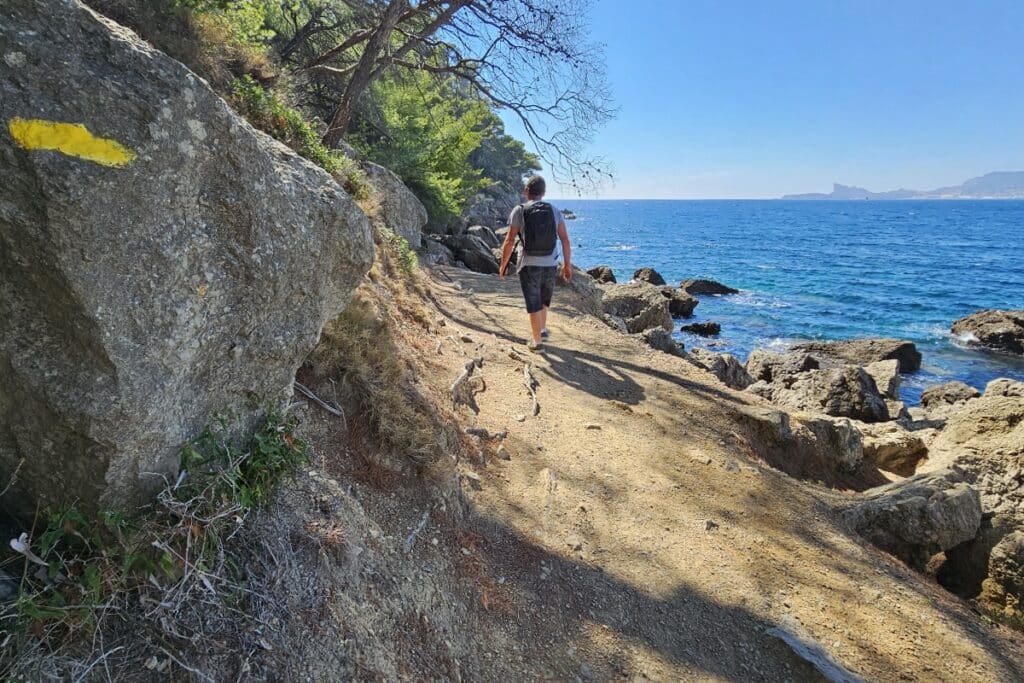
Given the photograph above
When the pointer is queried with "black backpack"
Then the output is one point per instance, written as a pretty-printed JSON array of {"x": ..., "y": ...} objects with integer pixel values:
[{"x": 539, "y": 229}]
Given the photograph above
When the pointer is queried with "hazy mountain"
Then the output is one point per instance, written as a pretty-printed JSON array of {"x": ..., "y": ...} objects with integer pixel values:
[{"x": 997, "y": 185}]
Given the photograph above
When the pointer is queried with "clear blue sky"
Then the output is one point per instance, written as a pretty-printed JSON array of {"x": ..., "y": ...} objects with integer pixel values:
[{"x": 748, "y": 98}]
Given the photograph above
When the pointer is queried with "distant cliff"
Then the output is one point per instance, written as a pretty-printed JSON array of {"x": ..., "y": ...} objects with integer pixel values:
[{"x": 997, "y": 185}]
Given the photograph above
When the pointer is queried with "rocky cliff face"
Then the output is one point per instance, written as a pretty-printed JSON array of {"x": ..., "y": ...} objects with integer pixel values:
[{"x": 160, "y": 260}]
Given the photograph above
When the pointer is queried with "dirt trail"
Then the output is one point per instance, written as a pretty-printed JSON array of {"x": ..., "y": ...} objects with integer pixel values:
[{"x": 628, "y": 535}]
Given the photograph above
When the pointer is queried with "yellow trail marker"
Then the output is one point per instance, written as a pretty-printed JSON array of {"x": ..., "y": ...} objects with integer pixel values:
[{"x": 72, "y": 139}]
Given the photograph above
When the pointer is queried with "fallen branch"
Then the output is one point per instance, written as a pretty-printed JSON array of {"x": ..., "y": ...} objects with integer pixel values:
[
  {"x": 305, "y": 391},
  {"x": 531, "y": 385}
]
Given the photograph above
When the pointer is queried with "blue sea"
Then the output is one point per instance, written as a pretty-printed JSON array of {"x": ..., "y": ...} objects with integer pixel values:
[{"x": 825, "y": 270}]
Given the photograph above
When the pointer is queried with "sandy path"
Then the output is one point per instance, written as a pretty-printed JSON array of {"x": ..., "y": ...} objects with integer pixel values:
[{"x": 634, "y": 538}]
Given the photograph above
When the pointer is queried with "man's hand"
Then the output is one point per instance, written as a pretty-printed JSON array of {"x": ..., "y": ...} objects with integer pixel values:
[
  {"x": 501, "y": 271},
  {"x": 567, "y": 271}
]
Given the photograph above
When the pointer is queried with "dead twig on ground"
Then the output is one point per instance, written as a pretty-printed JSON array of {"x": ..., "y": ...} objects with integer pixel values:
[
  {"x": 531, "y": 385},
  {"x": 411, "y": 539},
  {"x": 462, "y": 388},
  {"x": 332, "y": 409}
]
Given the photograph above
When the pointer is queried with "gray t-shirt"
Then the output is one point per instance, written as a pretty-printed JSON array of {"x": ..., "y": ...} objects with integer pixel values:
[{"x": 516, "y": 221}]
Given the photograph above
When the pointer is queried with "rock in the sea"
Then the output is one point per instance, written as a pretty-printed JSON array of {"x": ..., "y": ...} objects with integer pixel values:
[
  {"x": 680, "y": 304},
  {"x": 706, "y": 329},
  {"x": 993, "y": 329},
  {"x": 697, "y": 286},
  {"x": 886, "y": 374},
  {"x": 891, "y": 447},
  {"x": 864, "y": 351},
  {"x": 160, "y": 260},
  {"x": 772, "y": 367},
  {"x": 847, "y": 391},
  {"x": 639, "y": 305},
  {"x": 602, "y": 274},
  {"x": 724, "y": 366},
  {"x": 1005, "y": 387},
  {"x": 918, "y": 517},
  {"x": 650, "y": 276},
  {"x": 486, "y": 235},
  {"x": 949, "y": 393},
  {"x": 473, "y": 252},
  {"x": 437, "y": 253},
  {"x": 659, "y": 338},
  {"x": 396, "y": 205}
]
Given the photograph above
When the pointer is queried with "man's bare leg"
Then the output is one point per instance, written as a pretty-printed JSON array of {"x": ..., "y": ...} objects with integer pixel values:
[
  {"x": 544, "y": 318},
  {"x": 536, "y": 325}
]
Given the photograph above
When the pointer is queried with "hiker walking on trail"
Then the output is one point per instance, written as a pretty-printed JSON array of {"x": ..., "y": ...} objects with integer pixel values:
[{"x": 536, "y": 224}]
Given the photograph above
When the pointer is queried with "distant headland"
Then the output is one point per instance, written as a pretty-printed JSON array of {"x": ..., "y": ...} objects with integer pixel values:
[{"x": 997, "y": 185}]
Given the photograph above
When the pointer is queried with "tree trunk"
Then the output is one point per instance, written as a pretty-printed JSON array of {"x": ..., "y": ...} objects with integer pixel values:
[{"x": 362, "y": 75}]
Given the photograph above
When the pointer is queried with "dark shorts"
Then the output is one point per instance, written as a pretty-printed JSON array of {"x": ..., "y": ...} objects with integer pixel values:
[{"x": 538, "y": 283}]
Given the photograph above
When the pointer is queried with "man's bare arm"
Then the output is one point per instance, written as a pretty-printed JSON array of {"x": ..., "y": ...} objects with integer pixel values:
[
  {"x": 563, "y": 236},
  {"x": 506, "y": 249}
]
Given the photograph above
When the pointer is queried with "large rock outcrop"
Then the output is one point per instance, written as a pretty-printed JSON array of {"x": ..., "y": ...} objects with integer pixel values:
[
  {"x": 918, "y": 517},
  {"x": 993, "y": 329},
  {"x": 725, "y": 366},
  {"x": 680, "y": 304},
  {"x": 397, "y": 207},
  {"x": 768, "y": 366},
  {"x": 473, "y": 252},
  {"x": 602, "y": 274},
  {"x": 948, "y": 393},
  {"x": 847, "y": 391},
  {"x": 864, "y": 351},
  {"x": 160, "y": 260},
  {"x": 706, "y": 287},
  {"x": 639, "y": 305},
  {"x": 649, "y": 275}
]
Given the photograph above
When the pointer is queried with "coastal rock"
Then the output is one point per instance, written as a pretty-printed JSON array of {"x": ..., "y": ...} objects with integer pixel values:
[
  {"x": 473, "y": 252},
  {"x": 993, "y": 329},
  {"x": 615, "y": 322},
  {"x": 396, "y": 205},
  {"x": 949, "y": 393},
  {"x": 180, "y": 266},
  {"x": 586, "y": 289},
  {"x": 706, "y": 329},
  {"x": 985, "y": 438},
  {"x": 639, "y": 305},
  {"x": 966, "y": 565},
  {"x": 697, "y": 286},
  {"x": 891, "y": 447},
  {"x": 660, "y": 339},
  {"x": 846, "y": 391},
  {"x": 650, "y": 276},
  {"x": 724, "y": 366},
  {"x": 501, "y": 233},
  {"x": 680, "y": 304},
  {"x": 918, "y": 517},
  {"x": 864, "y": 351},
  {"x": 886, "y": 374},
  {"x": 772, "y": 367},
  {"x": 602, "y": 274},
  {"x": 838, "y": 437},
  {"x": 1005, "y": 387},
  {"x": 485, "y": 234},
  {"x": 437, "y": 254},
  {"x": 1002, "y": 592}
]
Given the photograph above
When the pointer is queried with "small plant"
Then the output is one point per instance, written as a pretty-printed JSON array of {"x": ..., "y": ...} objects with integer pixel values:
[
  {"x": 406, "y": 256},
  {"x": 265, "y": 111}
]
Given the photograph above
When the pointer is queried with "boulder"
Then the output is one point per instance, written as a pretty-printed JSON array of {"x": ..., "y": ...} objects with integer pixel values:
[
  {"x": 161, "y": 261},
  {"x": 839, "y": 438},
  {"x": 886, "y": 374},
  {"x": 602, "y": 274},
  {"x": 864, "y": 351},
  {"x": 724, "y": 366},
  {"x": 396, "y": 205},
  {"x": 659, "y": 338},
  {"x": 490, "y": 207},
  {"x": 589, "y": 295},
  {"x": 437, "y": 254},
  {"x": 891, "y": 447},
  {"x": 650, "y": 276},
  {"x": 918, "y": 517},
  {"x": 966, "y": 565},
  {"x": 771, "y": 367},
  {"x": 1005, "y": 387},
  {"x": 1002, "y": 592},
  {"x": 486, "y": 235},
  {"x": 640, "y": 306},
  {"x": 680, "y": 304},
  {"x": 847, "y": 391},
  {"x": 615, "y": 322},
  {"x": 706, "y": 329},
  {"x": 993, "y": 329},
  {"x": 985, "y": 438},
  {"x": 950, "y": 393},
  {"x": 697, "y": 286},
  {"x": 473, "y": 252}
]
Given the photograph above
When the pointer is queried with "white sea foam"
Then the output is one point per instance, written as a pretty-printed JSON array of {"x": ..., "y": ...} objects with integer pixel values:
[
  {"x": 754, "y": 300},
  {"x": 621, "y": 247}
]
